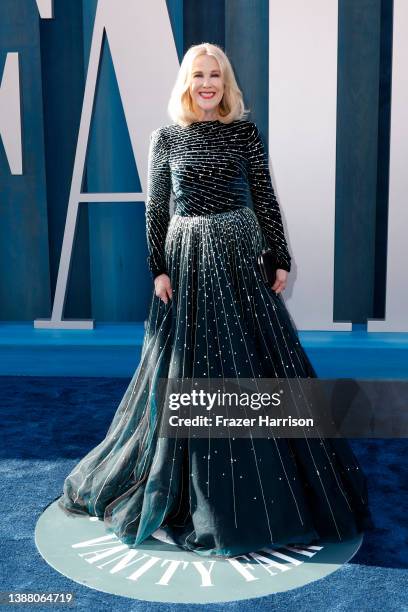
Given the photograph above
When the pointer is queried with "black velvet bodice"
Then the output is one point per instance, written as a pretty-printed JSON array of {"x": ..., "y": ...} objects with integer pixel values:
[{"x": 209, "y": 166}]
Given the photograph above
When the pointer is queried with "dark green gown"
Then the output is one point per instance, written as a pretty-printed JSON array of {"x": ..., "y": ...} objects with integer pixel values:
[{"x": 215, "y": 496}]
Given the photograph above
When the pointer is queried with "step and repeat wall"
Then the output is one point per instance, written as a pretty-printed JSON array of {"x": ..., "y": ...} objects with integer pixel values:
[{"x": 84, "y": 82}]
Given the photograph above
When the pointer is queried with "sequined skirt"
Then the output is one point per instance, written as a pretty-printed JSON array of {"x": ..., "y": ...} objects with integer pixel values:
[
  {"x": 212, "y": 261},
  {"x": 217, "y": 496}
]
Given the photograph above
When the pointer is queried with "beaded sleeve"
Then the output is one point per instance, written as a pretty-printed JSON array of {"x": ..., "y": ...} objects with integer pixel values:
[
  {"x": 266, "y": 206},
  {"x": 157, "y": 201}
]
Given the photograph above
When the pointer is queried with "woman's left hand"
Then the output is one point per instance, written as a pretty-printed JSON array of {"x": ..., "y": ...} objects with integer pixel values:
[{"x": 280, "y": 281}]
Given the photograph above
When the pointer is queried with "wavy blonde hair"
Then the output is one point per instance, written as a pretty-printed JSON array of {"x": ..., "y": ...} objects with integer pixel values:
[{"x": 180, "y": 106}]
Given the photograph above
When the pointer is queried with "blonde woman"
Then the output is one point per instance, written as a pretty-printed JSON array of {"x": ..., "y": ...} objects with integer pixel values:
[{"x": 212, "y": 315}]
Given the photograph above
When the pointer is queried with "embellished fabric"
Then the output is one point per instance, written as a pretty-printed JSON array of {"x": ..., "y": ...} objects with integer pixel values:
[
  {"x": 209, "y": 166},
  {"x": 215, "y": 496}
]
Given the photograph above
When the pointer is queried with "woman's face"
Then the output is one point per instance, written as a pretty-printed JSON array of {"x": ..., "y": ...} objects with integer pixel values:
[{"x": 206, "y": 87}]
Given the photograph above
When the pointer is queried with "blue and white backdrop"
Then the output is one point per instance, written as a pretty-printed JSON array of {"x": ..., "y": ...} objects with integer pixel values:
[{"x": 84, "y": 82}]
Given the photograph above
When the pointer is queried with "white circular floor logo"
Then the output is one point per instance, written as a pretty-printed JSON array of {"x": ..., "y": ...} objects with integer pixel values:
[{"x": 80, "y": 548}]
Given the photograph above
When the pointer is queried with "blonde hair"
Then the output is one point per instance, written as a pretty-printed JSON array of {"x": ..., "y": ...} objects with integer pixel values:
[{"x": 180, "y": 106}]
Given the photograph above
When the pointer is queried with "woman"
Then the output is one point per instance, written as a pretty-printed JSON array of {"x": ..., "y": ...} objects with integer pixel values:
[{"x": 212, "y": 315}]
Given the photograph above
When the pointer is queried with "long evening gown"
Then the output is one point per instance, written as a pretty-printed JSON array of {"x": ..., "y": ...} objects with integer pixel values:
[{"x": 215, "y": 496}]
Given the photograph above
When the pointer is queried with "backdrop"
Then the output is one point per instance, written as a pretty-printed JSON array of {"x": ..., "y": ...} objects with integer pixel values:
[{"x": 317, "y": 77}]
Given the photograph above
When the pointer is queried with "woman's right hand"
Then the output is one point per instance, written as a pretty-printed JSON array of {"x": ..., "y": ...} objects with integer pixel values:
[{"x": 163, "y": 287}]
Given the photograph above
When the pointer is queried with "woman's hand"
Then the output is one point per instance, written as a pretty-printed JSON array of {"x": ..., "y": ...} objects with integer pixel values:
[
  {"x": 163, "y": 288},
  {"x": 280, "y": 281}
]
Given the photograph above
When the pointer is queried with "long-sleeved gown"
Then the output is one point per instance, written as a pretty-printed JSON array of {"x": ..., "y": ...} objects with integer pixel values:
[{"x": 215, "y": 496}]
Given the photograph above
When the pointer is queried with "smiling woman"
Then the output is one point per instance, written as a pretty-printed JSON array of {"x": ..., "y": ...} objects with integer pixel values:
[
  {"x": 212, "y": 315},
  {"x": 206, "y": 86}
]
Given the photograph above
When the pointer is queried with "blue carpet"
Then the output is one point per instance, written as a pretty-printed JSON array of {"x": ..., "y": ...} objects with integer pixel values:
[
  {"x": 49, "y": 423},
  {"x": 113, "y": 350}
]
